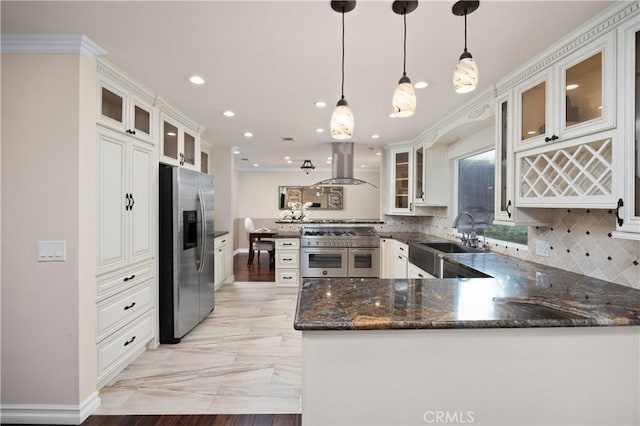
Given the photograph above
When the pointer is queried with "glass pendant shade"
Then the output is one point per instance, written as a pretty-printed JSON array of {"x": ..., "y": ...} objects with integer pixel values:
[
  {"x": 342, "y": 121},
  {"x": 404, "y": 98},
  {"x": 465, "y": 76}
]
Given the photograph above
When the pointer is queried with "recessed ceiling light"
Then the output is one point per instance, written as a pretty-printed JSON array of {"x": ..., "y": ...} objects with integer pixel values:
[
  {"x": 289, "y": 161},
  {"x": 320, "y": 104},
  {"x": 171, "y": 133},
  {"x": 362, "y": 165},
  {"x": 196, "y": 79},
  {"x": 236, "y": 152},
  {"x": 531, "y": 132},
  {"x": 379, "y": 153},
  {"x": 329, "y": 158},
  {"x": 328, "y": 161},
  {"x": 228, "y": 113},
  {"x": 421, "y": 84},
  {"x": 248, "y": 134},
  {"x": 375, "y": 136},
  {"x": 319, "y": 130},
  {"x": 255, "y": 164},
  {"x": 572, "y": 86},
  {"x": 287, "y": 158}
]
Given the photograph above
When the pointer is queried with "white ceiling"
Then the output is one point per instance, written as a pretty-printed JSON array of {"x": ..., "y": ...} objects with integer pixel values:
[{"x": 269, "y": 61}]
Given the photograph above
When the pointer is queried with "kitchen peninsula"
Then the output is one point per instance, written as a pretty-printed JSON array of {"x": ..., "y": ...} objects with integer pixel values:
[{"x": 532, "y": 345}]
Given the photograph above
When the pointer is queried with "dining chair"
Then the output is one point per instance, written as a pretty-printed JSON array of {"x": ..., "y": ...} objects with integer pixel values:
[{"x": 259, "y": 245}]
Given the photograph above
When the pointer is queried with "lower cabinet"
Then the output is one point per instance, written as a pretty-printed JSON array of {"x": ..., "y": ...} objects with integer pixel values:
[
  {"x": 287, "y": 262},
  {"x": 400, "y": 262},
  {"x": 221, "y": 260},
  {"x": 386, "y": 258},
  {"x": 416, "y": 272},
  {"x": 124, "y": 318}
]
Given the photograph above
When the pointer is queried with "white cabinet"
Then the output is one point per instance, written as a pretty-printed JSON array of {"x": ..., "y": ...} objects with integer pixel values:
[
  {"x": 573, "y": 98},
  {"x": 180, "y": 143},
  {"x": 401, "y": 179},
  {"x": 287, "y": 262},
  {"x": 506, "y": 211},
  {"x": 123, "y": 105},
  {"x": 386, "y": 257},
  {"x": 221, "y": 260},
  {"x": 628, "y": 203},
  {"x": 416, "y": 272},
  {"x": 205, "y": 152},
  {"x": 400, "y": 262},
  {"x": 125, "y": 200}
]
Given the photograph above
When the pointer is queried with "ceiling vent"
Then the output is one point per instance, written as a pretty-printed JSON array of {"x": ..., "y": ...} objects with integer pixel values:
[{"x": 287, "y": 139}]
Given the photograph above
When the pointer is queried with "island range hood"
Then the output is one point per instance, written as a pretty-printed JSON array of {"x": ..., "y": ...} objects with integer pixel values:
[{"x": 342, "y": 166}]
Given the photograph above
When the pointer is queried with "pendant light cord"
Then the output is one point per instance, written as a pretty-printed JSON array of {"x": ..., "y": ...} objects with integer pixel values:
[
  {"x": 465, "y": 30},
  {"x": 404, "y": 60},
  {"x": 342, "y": 86}
]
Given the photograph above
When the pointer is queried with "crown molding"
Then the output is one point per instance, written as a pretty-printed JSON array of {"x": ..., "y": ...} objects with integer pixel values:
[{"x": 50, "y": 43}]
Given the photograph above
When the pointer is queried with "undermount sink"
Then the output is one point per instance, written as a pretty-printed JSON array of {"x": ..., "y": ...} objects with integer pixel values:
[
  {"x": 425, "y": 255},
  {"x": 452, "y": 248}
]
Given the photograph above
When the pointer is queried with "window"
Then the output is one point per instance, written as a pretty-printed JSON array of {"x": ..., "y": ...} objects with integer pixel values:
[{"x": 476, "y": 195}]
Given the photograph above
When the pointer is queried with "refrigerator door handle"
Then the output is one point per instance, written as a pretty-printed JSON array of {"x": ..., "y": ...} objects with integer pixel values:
[{"x": 203, "y": 231}]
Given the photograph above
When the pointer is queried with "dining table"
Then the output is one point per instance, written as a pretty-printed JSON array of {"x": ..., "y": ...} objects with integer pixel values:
[{"x": 257, "y": 235}]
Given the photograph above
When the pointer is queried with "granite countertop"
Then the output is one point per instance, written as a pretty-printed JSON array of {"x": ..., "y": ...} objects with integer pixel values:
[
  {"x": 217, "y": 234},
  {"x": 334, "y": 221},
  {"x": 522, "y": 294},
  {"x": 410, "y": 237}
]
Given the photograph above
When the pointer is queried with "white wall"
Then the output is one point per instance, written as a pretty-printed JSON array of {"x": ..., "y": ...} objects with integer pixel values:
[
  {"x": 258, "y": 197},
  {"x": 48, "y": 191}
]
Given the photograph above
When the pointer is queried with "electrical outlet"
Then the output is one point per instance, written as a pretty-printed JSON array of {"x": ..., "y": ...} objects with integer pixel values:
[{"x": 543, "y": 248}]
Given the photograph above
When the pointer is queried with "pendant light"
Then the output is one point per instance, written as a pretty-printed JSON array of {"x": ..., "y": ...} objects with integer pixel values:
[
  {"x": 307, "y": 166},
  {"x": 465, "y": 76},
  {"x": 342, "y": 118},
  {"x": 404, "y": 97}
]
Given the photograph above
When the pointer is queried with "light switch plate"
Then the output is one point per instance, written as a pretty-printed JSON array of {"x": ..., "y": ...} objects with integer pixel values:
[
  {"x": 543, "y": 248},
  {"x": 52, "y": 251}
]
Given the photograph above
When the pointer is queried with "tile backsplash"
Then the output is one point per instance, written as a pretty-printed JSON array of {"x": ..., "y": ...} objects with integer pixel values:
[{"x": 580, "y": 241}]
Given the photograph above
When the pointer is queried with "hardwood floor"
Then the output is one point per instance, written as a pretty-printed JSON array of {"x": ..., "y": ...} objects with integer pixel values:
[
  {"x": 197, "y": 420},
  {"x": 255, "y": 272}
]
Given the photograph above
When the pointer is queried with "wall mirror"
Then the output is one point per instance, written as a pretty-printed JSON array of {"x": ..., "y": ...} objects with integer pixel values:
[{"x": 322, "y": 198}]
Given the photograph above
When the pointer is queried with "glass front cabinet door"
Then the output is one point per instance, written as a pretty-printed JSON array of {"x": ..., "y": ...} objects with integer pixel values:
[
  {"x": 123, "y": 111},
  {"x": 180, "y": 145},
  {"x": 401, "y": 180},
  {"x": 419, "y": 174}
]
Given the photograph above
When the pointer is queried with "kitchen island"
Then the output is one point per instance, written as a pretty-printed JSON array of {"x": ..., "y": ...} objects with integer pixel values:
[{"x": 533, "y": 345}]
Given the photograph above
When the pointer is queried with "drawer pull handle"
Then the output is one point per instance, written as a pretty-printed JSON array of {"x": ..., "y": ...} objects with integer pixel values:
[
  {"x": 129, "y": 278},
  {"x": 128, "y": 342},
  {"x": 287, "y": 259},
  {"x": 287, "y": 278},
  {"x": 130, "y": 306},
  {"x": 421, "y": 276},
  {"x": 287, "y": 244}
]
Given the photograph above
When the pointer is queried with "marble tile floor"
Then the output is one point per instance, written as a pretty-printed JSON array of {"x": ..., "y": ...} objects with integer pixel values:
[{"x": 245, "y": 358}]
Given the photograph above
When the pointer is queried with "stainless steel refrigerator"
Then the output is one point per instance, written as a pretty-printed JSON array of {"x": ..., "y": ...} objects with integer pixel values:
[{"x": 186, "y": 281}]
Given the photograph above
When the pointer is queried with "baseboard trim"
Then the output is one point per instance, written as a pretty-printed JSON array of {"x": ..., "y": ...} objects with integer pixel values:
[{"x": 50, "y": 414}]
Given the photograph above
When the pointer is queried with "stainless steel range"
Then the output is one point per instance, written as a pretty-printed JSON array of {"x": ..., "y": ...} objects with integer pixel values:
[{"x": 339, "y": 252}]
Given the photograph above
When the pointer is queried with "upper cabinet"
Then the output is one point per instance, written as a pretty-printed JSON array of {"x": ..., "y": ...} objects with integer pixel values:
[
  {"x": 180, "y": 139},
  {"x": 429, "y": 182},
  {"x": 124, "y": 106},
  {"x": 628, "y": 204},
  {"x": 572, "y": 98},
  {"x": 401, "y": 176}
]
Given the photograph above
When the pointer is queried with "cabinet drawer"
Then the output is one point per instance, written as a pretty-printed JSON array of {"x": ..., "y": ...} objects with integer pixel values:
[
  {"x": 287, "y": 258},
  {"x": 287, "y": 243},
  {"x": 125, "y": 342},
  {"x": 287, "y": 277},
  {"x": 115, "y": 282},
  {"x": 220, "y": 242},
  {"x": 116, "y": 311},
  {"x": 401, "y": 249}
]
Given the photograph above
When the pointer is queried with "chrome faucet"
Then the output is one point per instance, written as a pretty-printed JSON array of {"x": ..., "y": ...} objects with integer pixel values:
[{"x": 470, "y": 239}]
